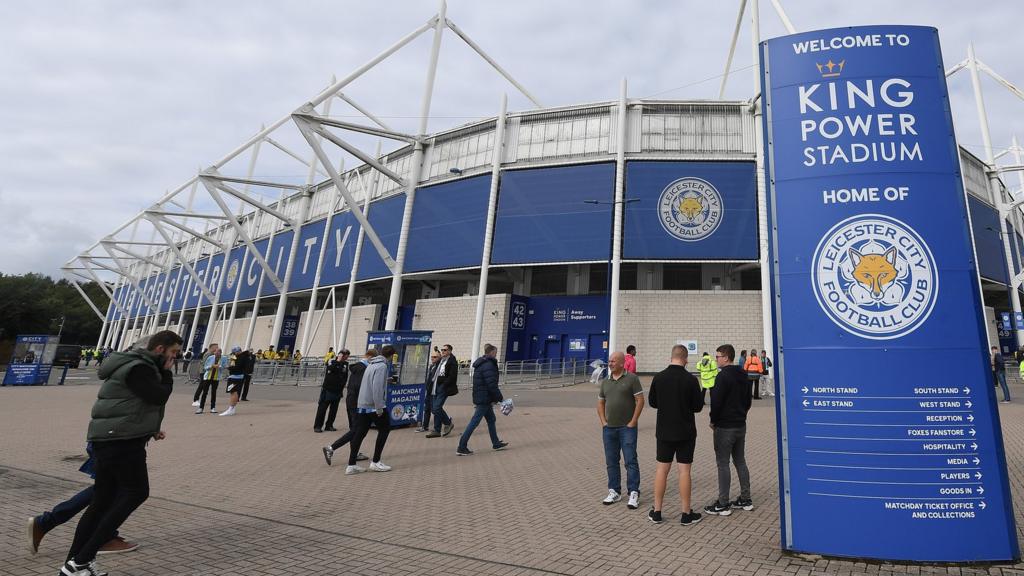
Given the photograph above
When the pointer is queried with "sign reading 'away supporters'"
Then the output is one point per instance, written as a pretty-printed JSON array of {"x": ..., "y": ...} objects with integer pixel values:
[{"x": 889, "y": 438}]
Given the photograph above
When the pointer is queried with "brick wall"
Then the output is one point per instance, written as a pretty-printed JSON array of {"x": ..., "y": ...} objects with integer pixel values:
[
  {"x": 652, "y": 320},
  {"x": 452, "y": 320}
]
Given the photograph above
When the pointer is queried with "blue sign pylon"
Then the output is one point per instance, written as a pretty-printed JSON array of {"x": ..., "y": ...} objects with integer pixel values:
[{"x": 889, "y": 438}]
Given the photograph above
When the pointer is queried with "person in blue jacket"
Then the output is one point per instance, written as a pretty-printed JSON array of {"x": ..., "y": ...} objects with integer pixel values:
[
  {"x": 485, "y": 395},
  {"x": 38, "y": 526}
]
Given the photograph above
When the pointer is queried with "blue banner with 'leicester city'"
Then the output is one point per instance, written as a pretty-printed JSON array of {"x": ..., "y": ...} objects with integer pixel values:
[{"x": 890, "y": 445}]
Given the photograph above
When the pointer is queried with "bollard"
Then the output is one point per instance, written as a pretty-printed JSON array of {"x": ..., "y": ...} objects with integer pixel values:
[{"x": 63, "y": 375}]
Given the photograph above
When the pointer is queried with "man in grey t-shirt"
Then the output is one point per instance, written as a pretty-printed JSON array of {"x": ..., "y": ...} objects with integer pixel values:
[{"x": 618, "y": 407}]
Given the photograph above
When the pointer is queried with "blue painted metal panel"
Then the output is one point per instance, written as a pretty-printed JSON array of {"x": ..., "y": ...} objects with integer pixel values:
[
  {"x": 542, "y": 214},
  {"x": 448, "y": 223}
]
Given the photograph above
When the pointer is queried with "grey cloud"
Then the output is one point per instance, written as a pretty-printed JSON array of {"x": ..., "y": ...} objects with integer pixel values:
[{"x": 105, "y": 105}]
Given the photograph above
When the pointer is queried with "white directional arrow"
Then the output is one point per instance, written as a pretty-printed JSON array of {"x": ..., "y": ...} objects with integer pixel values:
[
  {"x": 968, "y": 404},
  {"x": 977, "y": 461},
  {"x": 977, "y": 475},
  {"x": 967, "y": 390},
  {"x": 970, "y": 417},
  {"x": 973, "y": 432},
  {"x": 981, "y": 489},
  {"x": 804, "y": 389},
  {"x": 805, "y": 403},
  {"x": 982, "y": 505},
  {"x": 974, "y": 445}
]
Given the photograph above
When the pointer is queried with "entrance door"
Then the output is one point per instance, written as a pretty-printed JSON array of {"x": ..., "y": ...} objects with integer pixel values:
[{"x": 597, "y": 347}]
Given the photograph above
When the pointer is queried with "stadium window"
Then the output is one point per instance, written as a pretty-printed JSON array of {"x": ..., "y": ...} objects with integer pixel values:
[
  {"x": 750, "y": 279},
  {"x": 599, "y": 279},
  {"x": 547, "y": 280},
  {"x": 627, "y": 276},
  {"x": 681, "y": 277}
]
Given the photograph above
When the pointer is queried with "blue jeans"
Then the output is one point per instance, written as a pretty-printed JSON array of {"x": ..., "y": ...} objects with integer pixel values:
[
  {"x": 437, "y": 408},
  {"x": 1001, "y": 378},
  {"x": 66, "y": 510},
  {"x": 621, "y": 439},
  {"x": 485, "y": 412}
]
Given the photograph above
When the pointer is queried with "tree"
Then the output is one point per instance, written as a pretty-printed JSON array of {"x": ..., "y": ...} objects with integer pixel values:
[{"x": 34, "y": 304}]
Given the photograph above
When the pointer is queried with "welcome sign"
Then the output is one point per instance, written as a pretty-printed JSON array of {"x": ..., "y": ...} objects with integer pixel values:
[{"x": 889, "y": 438}]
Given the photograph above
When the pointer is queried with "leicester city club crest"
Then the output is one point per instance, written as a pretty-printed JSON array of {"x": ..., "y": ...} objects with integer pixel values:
[
  {"x": 229, "y": 280},
  {"x": 690, "y": 209},
  {"x": 875, "y": 277}
]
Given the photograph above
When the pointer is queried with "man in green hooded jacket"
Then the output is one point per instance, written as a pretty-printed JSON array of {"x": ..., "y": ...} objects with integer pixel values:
[{"x": 128, "y": 412}]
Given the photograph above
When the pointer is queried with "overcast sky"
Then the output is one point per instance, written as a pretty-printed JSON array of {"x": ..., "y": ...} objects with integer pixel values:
[{"x": 105, "y": 105}]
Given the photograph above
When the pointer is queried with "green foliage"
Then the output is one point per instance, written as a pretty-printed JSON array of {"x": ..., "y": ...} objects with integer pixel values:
[{"x": 34, "y": 304}]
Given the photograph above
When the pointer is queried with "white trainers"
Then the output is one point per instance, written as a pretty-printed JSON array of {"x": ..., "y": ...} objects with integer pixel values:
[
  {"x": 229, "y": 412},
  {"x": 634, "y": 500},
  {"x": 612, "y": 497},
  {"x": 379, "y": 467},
  {"x": 195, "y": 404},
  {"x": 213, "y": 410},
  {"x": 199, "y": 410},
  {"x": 354, "y": 470}
]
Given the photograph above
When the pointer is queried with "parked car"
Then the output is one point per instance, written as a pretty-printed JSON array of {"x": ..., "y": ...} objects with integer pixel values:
[{"x": 70, "y": 354}]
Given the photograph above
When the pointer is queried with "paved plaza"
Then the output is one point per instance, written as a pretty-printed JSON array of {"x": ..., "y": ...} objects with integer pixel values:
[{"x": 251, "y": 495}]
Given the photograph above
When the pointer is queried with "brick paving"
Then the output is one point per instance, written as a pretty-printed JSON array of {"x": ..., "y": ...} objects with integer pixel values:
[{"x": 251, "y": 494}]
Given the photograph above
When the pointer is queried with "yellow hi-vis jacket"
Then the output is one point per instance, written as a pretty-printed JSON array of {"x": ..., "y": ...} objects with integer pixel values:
[{"x": 708, "y": 370}]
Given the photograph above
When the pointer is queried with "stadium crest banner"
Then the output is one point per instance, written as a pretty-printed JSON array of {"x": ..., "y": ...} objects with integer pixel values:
[{"x": 890, "y": 445}]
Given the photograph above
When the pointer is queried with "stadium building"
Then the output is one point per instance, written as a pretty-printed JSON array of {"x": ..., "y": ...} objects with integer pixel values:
[{"x": 553, "y": 233}]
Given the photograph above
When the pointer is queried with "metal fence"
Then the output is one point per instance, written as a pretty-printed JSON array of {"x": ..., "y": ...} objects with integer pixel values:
[
  {"x": 541, "y": 373},
  {"x": 305, "y": 373}
]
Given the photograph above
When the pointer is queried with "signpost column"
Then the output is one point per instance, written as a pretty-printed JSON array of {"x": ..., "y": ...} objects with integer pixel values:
[{"x": 890, "y": 444}]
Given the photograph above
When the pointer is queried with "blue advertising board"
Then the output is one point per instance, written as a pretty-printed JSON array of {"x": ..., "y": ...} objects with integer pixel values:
[
  {"x": 882, "y": 454},
  {"x": 31, "y": 360},
  {"x": 690, "y": 211}
]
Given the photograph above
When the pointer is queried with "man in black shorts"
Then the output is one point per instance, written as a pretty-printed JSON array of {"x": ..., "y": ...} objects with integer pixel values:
[{"x": 677, "y": 396}]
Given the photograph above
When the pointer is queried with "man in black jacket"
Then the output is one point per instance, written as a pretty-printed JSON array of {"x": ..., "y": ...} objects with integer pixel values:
[
  {"x": 428, "y": 397},
  {"x": 335, "y": 378},
  {"x": 129, "y": 410},
  {"x": 445, "y": 384},
  {"x": 677, "y": 396},
  {"x": 485, "y": 395},
  {"x": 730, "y": 402},
  {"x": 250, "y": 365}
]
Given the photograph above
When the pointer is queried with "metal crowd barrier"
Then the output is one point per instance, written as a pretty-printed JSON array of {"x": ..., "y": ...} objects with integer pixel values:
[{"x": 308, "y": 372}]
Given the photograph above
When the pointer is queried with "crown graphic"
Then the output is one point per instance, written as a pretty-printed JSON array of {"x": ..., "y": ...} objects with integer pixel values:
[{"x": 831, "y": 69}]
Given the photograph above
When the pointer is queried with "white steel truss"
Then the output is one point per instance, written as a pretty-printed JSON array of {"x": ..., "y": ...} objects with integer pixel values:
[{"x": 134, "y": 269}]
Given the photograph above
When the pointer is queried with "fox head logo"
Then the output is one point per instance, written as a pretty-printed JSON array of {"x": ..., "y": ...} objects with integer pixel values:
[
  {"x": 690, "y": 208},
  {"x": 875, "y": 272}
]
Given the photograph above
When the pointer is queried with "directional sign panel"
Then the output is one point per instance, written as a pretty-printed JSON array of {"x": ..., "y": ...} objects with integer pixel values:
[{"x": 890, "y": 444}]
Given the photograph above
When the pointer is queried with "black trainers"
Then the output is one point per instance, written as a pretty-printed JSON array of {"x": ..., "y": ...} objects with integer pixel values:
[
  {"x": 501, "y": 445},
  {"x": 717, "y": 509},
  {"x": 463, "y": 452},
  {"x": 654, "y": 515},
  {"x": 328, "y": 453},
  {"x": 743, "y": 504},
  {"x": 690, "y": 519},
  {"x": 70, "y": 568}
]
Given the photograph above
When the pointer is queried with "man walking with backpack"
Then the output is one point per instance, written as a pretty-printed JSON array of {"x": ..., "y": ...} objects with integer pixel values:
[
  {"x": 485, "y": 395},
  {"x": 730, "y": 402}
]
